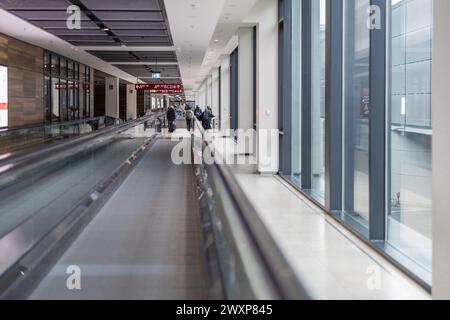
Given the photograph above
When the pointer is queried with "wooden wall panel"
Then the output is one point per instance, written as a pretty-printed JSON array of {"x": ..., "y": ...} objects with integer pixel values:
[
  {"x": 25, "y": 81},
  {"x": 140, "y": 102}
]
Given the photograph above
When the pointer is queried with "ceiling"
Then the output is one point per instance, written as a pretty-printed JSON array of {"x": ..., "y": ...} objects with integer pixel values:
[{"x": 127, "y": 34}]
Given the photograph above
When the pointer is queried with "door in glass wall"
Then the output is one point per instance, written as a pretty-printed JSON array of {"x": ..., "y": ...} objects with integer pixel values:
[
  {"x": 318, "y": 29},
  {"x": 356, "y": 111},
  {"x": 410, "y": 129}
]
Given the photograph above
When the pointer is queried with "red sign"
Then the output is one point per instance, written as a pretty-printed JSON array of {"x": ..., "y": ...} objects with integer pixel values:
[{"x": 160, "y": 88}]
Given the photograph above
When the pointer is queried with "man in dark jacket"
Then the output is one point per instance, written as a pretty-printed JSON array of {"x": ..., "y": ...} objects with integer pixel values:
[
  {"x": 171, "y": 116},
  {"x": 198, "y": 113},
  {"x": 207, "y": 119}
]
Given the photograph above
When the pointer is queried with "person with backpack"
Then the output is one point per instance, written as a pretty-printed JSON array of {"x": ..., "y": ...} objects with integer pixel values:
[
  {"x": 207, "y": 118},
  {"x": 189, "y": 119},
  {"x": 171, "y": 118},
  {"x": 198, "y": 113}
]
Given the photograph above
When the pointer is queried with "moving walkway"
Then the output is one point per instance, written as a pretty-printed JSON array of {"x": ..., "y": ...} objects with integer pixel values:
[{"x": 137, "y": 226}]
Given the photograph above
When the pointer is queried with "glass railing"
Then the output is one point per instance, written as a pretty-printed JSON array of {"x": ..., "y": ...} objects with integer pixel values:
[
  {"x": 245, "y": 261},
  {"x": 17, "y": 139}
]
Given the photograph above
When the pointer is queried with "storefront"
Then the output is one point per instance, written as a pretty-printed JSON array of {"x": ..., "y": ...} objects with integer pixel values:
[{"x": 67, "y": 89}]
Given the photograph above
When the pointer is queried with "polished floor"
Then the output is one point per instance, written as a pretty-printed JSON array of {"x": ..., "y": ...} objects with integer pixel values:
[{"x": 331, "y": 261}]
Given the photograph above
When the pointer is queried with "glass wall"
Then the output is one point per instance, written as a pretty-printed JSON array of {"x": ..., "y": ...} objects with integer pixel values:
[
  {"x": 361, "y": 132},
  {"x": 410, "y": 129},
  {"x": 356, "y": 110},
  {"x": 307, "y": 168},
  {"x": 62, "y": 82}
]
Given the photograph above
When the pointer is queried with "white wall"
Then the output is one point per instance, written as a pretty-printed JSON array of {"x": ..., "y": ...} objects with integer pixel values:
[
  {"x": 245, "y": 75},
  {"x": 265, "y": 16},
  {"x": 202, "y": 96},
  {"x": 131, "y": 101},
  {"x": 225, "y": 93},
  {"x": 441, "y": 152},
  {"x": 112, "y": 97}
]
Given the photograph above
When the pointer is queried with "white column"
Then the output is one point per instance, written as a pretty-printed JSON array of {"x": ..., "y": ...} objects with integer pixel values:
[
  {"x": 265, "y": 16},
  {"x": 215, "y": 96},
  {"x": 441, "y": 152},
  {"x": 225, "y": 93},
  {"x": 131, "y": 102},
  {"x": 202, "y": 96},
  {"x": 112, "y": 97},
  {"x": 246, "y": 89}
]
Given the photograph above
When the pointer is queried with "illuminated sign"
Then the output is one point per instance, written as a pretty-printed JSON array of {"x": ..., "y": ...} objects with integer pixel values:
[
  {"x": 3, "y": 97},
  {"x": 160, "y": 88},
  {"x": 156, "y": 74}
]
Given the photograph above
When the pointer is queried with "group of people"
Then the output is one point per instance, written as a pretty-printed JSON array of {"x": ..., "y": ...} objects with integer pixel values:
[{"x": 205, "y": 117}]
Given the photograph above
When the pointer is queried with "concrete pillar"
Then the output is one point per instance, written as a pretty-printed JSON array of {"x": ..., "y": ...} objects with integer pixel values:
[
  {"x": 131, "y": 102},
  {"x": 225, "y": 93},
  {"x": 112, "y": 97},
  {"x": 265, "y": 16},
  {"x": 441, "y": 152}
]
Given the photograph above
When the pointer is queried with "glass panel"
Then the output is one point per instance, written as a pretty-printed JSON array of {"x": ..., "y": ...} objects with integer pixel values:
[
  {"x": 55, "y": 100},
  {"x": 72, "y": 101},
  {"x": 63, "y": 100},
  {"x": 63, "y": 64},
  {"x": 47, "y": 63},
  {"x": 47, "y": 99},
  {"x": 318, "y": 17},
  {"x": 87, "y": 102},
  {"x": 55, "y": 65},
  {"x": 356, "y": 112},
  {"x": 70, "y": 69},
  {"x": 409, "y": 176}
]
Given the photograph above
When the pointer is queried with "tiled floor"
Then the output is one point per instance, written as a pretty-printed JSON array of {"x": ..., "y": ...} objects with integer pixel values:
[{"x": 332, "y": 262}]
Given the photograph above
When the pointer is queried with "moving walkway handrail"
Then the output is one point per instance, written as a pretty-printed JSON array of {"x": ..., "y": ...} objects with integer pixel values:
[
  {"x": 281, "y": 277},
  {"x": 7, "y": 131},
  {"x": 23, "y": 158}
]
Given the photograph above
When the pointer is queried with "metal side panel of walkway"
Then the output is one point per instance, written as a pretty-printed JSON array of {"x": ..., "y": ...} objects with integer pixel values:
[{"x": 145, "y": 243}]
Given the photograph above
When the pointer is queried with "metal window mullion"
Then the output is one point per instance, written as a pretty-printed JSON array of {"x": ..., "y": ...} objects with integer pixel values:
[
  {"x": 377, "y": 127},
  {"x": 333, "y": 105}
]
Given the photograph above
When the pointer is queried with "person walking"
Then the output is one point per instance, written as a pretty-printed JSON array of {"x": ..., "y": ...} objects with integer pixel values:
[
  {"x": 171, "y": 118},
  {"x": 198, "y": 113},
  {"x": 207, "y": 119},
  {"x": 189, "y": 119}
]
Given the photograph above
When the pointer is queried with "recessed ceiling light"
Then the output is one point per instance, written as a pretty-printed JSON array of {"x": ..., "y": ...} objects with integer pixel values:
[
  {"x": 105, "y": 29},
  {"x": 216, "y": 40}
]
